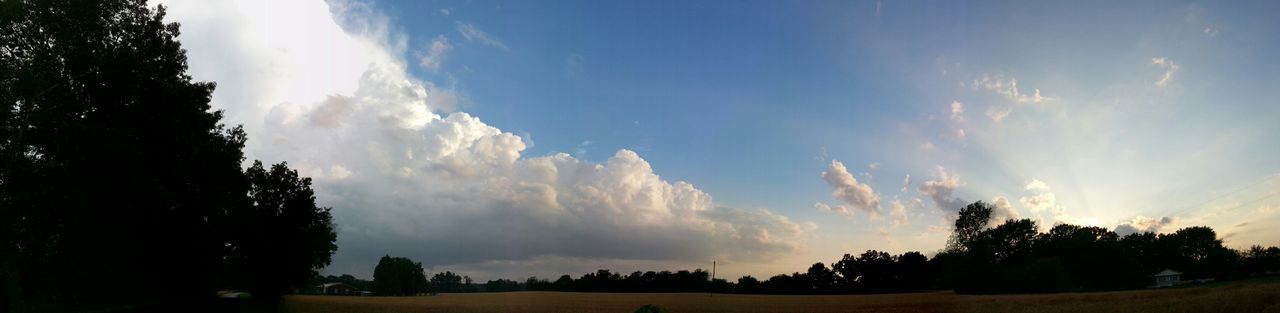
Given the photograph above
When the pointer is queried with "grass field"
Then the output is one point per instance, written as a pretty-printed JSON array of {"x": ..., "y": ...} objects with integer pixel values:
[{"x": 1248, "y": 296}]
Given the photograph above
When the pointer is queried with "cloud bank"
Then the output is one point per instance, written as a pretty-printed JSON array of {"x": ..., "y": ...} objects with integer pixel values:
[{"x": 328, "y": 91}]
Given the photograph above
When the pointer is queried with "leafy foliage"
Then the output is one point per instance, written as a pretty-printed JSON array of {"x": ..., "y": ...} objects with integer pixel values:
[
  {"x": 115, "y": 170},
  {"x": 399, "y": 276}
]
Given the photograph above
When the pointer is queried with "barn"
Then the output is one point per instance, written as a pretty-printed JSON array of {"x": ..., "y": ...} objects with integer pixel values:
[
  {"x": 1165, "y": 278},
  {"x": 337, "y": 289}
]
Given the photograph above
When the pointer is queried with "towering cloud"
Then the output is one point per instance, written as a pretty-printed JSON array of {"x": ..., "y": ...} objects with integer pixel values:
[{"x": 406, "y": 178}]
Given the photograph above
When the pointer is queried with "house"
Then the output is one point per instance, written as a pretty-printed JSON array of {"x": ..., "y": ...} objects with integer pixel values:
[
  {"x": 1165, "y": 278},
  {"x": 337, "y": 289}
]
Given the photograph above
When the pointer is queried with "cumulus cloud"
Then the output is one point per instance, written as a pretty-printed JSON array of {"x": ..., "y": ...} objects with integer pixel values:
[
  {"x": 1003, "y": 211},
  {"x": 1042, "y": 200},
  {"x": 1143, "y": 224},
  {"x": 473, "y": 34},
  {"x": 906, "y": 183},
  {"x": 847, "y": 189},
  {"x": 941, "y": 190},
  {"x": 406, "y": 178},
  {"x": 434, "y": 57},
  {"x": 1169, "y": 68}
]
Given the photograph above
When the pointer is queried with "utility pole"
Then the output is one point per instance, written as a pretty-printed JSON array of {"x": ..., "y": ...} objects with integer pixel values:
[{"x": 713, "y": 279}]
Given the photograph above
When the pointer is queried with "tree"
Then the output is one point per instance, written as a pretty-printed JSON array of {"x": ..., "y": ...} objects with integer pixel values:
[
  {"x": 113, "y": 167},
  {"x": 399, "y": 276},
  {"x": 282, "y": 238},
  {"x": 564, "y": 283},
  {"x": 1009, "y": 243},
  {"x": 747, "y": 284},
  {"x": 914, "y": 271},
  {"x": 972, "y": 220},
  {"x": 1197, "y": 252},
  {"x": 446, "y": 282},
  {"x": 821, "y": 279}
]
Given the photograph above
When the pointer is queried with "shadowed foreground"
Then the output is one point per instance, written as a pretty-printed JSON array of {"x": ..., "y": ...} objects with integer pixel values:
[{"x": 1238, "y": 297}]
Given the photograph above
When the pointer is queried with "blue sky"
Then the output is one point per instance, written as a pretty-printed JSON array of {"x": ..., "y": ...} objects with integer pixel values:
[{"x": 800, "y": 123}]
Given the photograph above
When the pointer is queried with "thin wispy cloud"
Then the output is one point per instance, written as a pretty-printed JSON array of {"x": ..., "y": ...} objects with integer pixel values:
[
  {"x": 473, "y": 34},
  {"x": 1169, "y": 68},
  {"x": 435, "y": 54}
]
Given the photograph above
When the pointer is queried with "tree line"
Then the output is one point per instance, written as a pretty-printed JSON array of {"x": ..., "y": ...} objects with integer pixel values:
[
  {"x": 980, "y": 257},
  {"x": 120, "y": 187}
]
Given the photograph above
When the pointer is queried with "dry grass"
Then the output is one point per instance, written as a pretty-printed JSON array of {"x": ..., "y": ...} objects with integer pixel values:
[{"x": 1240, "y": 297}]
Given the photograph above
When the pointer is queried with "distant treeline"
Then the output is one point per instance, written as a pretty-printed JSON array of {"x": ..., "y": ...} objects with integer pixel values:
[{"x": 1011, "y": 257}]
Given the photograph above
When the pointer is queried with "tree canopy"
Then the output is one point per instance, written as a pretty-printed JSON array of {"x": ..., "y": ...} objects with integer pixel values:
[
  {"x": 399, "y": 276},
  {"x": 114, "y": 169}
]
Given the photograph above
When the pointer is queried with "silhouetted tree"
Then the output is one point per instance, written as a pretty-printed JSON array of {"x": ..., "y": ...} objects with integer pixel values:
[
  {"x": 113, "y": 166},
  {"x": 564, "y": 283},
  {"x": 972, "y": 221},
  {"x": 446, "y": 282},
  {"x": 399, "y": 276},
  {"x": 822, "y": 279},
  {"x": 747, "y": 284},
  {"x": 282, "y": 238},
  {"x": 914, "y": 271}
]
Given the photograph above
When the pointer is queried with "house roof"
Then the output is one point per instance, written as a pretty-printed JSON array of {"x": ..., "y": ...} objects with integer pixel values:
[{"x": 1168, "y": 272}]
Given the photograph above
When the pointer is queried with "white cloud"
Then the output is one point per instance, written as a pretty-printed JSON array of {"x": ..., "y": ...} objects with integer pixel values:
[
  {"x": 899, "y": 211},
  {"x": 1009, "y": 89},
  {"x": 837, "y": 209},
  {"x": 906, "y": 183},
  {"x": 1169, "y": 68},
  {"x": 446, "y": 11},
  {"x": 927, "y": 145},
  {"x": 957, "y": 112},
  {"x": 874, "y": 166},
  {"x": 471, "y": 33},
  {"x": 434, "y": 57},
  {"x": 1043, "y": 200},
  {"x": 1003, "y": 211},
  {"x": 998, "y": 114},
  {"x": 857, "y": 195},
  {"x": 581, "y": 149},
  {"x": 1037, "y": 185},
  {"x": 1141, "y": 224},
  {"x": 958, "y": 133},
  {"x": 406, "y": 178},
  {"x": 1209, "y": 30},
  {"x": 941, "y": 190}
]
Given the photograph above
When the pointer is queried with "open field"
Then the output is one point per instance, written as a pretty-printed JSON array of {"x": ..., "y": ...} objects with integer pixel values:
[{"x": 1249, "y": 296}]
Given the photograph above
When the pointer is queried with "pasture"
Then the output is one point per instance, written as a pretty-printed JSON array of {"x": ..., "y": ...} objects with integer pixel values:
[{"x": 1244, "y": 296}]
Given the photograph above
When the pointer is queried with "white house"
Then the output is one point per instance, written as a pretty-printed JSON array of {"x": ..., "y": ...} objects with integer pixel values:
[{"x": 1165, "y": 278}]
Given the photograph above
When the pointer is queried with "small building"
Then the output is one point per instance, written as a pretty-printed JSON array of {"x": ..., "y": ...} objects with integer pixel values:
[
  {"x": 337, "y": 289},
  {"x": 1165, "y": 278}
]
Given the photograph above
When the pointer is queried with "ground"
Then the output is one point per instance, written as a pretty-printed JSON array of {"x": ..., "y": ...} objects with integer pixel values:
[{"x": 1247, "y": 296}]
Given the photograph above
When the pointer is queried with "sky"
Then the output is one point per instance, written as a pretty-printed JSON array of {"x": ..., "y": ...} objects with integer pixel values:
[{"x": 521, "y": 138}]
